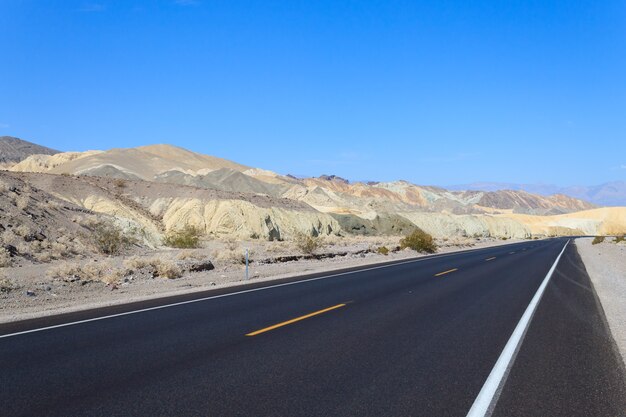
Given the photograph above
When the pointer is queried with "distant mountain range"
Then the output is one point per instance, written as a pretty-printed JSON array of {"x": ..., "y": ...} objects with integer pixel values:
[
  {"x": 607, "y": 194},
  {"x": 162, "y": 186}
]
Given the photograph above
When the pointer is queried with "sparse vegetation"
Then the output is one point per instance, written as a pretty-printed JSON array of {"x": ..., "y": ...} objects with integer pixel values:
[
  {"x": 119, "y": 183},
  {"x": 111, "y": 240},
  {"x": 185, "y": 238},
  {"x": 6, "y": 285},
  {"x": 307, "y": 243},
  {"x": 383, "y": 250},
  {"x": 597, "y": 239},
  {"x": 619, "y": 239},
  {"x": 419, "y": 241},
  {"x": 105, "y": 272},
  {"x": 5, "y": 258},
  {"x": 158, "y": 267}
]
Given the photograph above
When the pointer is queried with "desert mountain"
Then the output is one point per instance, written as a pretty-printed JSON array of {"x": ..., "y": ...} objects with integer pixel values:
[
  {"x": 13, "y": 150},
  {"x": 161, "y": 187},
  {"x": 328, "y": 193},
  {"x": 607, "y": 194}
]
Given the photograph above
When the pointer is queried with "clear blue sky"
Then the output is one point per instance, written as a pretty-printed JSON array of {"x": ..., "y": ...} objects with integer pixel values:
[{"x": 437, "y": 92}]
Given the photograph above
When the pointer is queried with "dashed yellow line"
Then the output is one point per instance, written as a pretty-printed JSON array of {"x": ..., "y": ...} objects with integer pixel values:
[
  {"x": 490, "y": 259},
  {"x": 285, "y": 323},
  {"x": 446, "y": 272}
]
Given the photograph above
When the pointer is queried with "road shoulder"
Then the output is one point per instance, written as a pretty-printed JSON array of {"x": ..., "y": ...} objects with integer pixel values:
[{"x": 606, "y": 265}]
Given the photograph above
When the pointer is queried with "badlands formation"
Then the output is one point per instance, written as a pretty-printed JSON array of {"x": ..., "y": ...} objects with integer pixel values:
[{"x": 161, "y": 187}]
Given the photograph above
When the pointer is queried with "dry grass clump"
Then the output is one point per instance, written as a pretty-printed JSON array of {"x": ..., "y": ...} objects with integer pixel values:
[
  {"x": 619, "y": 239},
  {"x": 6, "y": 285},
  {"x": 231, "y": 256},
  {"x": 597, "y": 239},
  {"x": 156, "y": 266},
  {"x": 307, "y": 244},
  {"x": 106, "y": 272},
  {"x": 5, "y": 258},
  {"x": 419, "y": 241},
  {"x": 190, "y": 254},
  {"x": 186, "y": 238}
]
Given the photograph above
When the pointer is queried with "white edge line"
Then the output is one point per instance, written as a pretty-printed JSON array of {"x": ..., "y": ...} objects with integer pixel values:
[
  {"x": 196, "y": 300},
  {"x": 484, "y": 402}
]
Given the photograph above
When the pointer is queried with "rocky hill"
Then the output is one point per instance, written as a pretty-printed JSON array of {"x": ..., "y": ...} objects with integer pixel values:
[
  {"x": 13, "y": 150},
  {"x": 162, "y": 187}
]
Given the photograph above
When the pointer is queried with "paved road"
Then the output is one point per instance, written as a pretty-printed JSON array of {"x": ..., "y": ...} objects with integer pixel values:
[{"x": 415, "y": 338}]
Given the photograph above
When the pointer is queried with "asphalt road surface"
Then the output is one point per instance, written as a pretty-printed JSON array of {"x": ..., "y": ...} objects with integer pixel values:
[{"x": 413, "y": 338}]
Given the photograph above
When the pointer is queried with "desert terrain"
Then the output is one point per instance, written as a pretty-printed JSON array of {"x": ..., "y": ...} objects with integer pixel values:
[{"x": 100, "y": 227}]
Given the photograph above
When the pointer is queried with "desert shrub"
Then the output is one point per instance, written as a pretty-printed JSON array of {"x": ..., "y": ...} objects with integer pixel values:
[
  {"x": 5, "y": 258},
  {"x": 168, "y": 269},
  {"x": 157, "y": 266},
  {"x": 189, "y": 254},
  {"x": 21, "y": 202},
  {"x": 185, "y": 238},
  {"x": 419, "y": 241},
  {"x": 307, "y": 243},
  {"x": 106, "y": 272},
  {"x": 6, "y": 285},
  {"x": 120, "y": 183},
  {"x": 597, "y": 239},
  {"x": 111, "y": 240},
  {"x": 619, "y": 239},
  {"x": 383, "y": 250}
]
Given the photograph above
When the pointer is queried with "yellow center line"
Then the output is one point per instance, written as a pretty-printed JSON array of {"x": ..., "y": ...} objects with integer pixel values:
[
  {"x": 446, "y": 272},
  {"x": 285, "y": 323},
  {"x": 490, "y": 259}
]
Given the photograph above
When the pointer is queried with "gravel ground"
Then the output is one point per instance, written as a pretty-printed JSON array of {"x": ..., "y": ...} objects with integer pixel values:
[
  {"x": 54, "y": 296},
  {"x": 606, "y": 265}
]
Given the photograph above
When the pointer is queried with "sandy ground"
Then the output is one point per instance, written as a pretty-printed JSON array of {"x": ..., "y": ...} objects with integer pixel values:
[
  {"x": 606, "y": 264},
  {"x": 38, "y": 295}
]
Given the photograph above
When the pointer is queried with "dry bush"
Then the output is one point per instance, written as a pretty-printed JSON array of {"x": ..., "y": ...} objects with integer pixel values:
[
  {"x": 5, "y": 258},
  {"x": 64, "y": 270},
  {"x": 597, "y": 239},
  {"x": 619, "y": 239},
  {"x": 21, "y": 202},
  {"x": 119, "y": 183},
  {"x": 419, "y": 241},
  {"x": 22, "y": 230},
  {"x": 157, "y": 266},
  {"x": 307, "y": 243},
  {"x": 49, "y": 205},
  {"x": 230, "y": 256},
  {"x": 231, "y": 244},
  {"x": 383, "y": 250},
  {"x": 6, "y": 285},
  {"x": 106, "y": 272},
  {"x": 168, "y": 269},
  {"x": 186, "y": 238},
  {"x": 111, "y": 240},
  {"x": 189, "y": 254}
]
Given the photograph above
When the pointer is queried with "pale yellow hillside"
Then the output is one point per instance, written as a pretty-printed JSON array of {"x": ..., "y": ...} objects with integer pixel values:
[
  {"x": 45, "y": 163},
  {"x": 144, "y": 162},
  {"x": 601, "y": 221}
]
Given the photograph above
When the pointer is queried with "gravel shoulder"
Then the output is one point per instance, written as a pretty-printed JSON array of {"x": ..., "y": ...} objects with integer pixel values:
[
  {"x": 606, "y": 265},
  {"x": 37, "y": 295}
]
